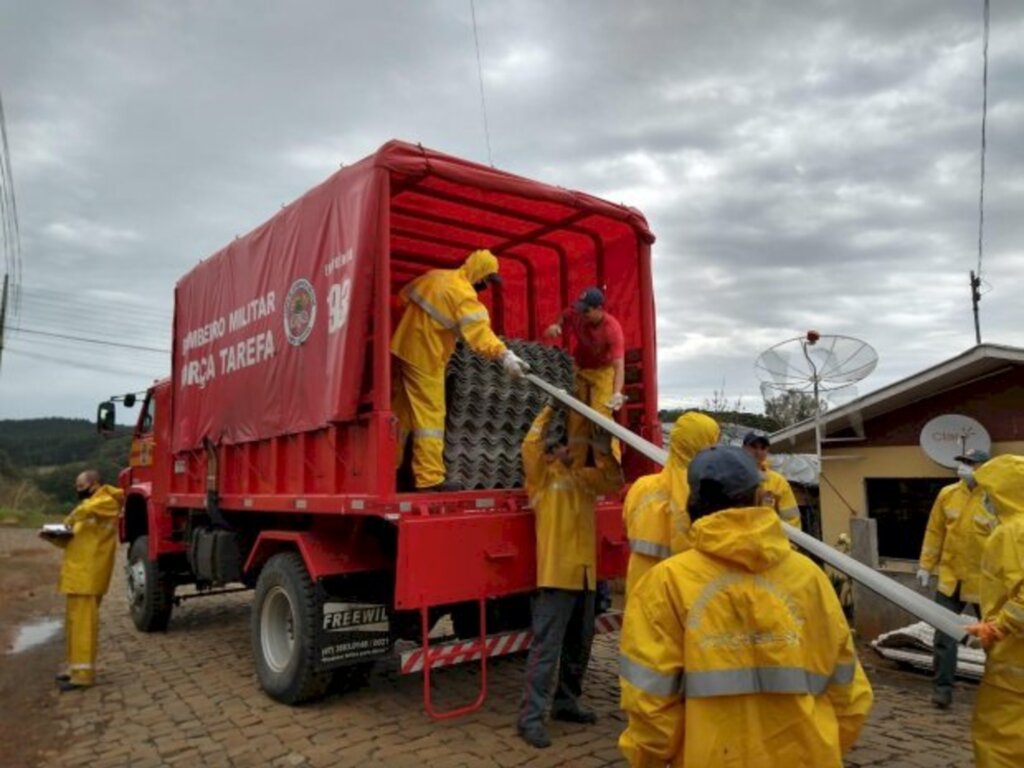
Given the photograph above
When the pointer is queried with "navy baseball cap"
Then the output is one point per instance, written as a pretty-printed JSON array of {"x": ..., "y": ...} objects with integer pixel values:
[
  {"x": 730, "y": 467},
  {"x": 755, "y": 437},
  {"x": 591, "y": 298},
  {"x": 973, "y": 456}
]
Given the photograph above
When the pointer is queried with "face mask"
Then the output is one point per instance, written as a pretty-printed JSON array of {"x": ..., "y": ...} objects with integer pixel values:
[
  {"x": 965, "y": 473},
  {"x": 481, "y": 286},
  {"x": 85, "y": 494}
]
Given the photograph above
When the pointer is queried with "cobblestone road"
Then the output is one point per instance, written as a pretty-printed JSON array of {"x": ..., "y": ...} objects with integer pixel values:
[{"x": 189, "y": 697}]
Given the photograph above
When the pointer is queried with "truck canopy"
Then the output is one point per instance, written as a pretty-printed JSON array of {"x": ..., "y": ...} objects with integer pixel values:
[{"x": 286, "y": 329}]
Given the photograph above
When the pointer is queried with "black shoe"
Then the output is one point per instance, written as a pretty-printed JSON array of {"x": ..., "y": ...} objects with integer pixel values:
[
  {"x": 536, "y": 736},
  {"x": 64, "y": 678},
  {"x": 448, "y": 486},
  {"x": 942, "y": 698},
  {"x": 67, "y": 685},
  {"x": 577, "y": 715}
]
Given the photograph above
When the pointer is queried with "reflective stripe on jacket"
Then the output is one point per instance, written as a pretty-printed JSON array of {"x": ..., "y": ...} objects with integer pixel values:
[{"x": 737, "y": 652}]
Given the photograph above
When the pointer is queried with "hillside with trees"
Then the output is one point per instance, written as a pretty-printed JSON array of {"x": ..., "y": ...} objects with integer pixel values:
[{"x": 39, "y": 459}]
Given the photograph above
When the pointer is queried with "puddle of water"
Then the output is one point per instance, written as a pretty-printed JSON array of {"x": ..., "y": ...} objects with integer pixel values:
[{"x": 35, "y": 634}]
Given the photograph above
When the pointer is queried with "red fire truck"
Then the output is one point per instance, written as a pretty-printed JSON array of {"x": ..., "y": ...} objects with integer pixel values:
[{"x": 268, "y": 458}]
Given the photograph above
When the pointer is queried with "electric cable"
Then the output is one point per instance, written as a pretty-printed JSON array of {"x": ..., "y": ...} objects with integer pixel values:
[{"x": 480, "y": 74}]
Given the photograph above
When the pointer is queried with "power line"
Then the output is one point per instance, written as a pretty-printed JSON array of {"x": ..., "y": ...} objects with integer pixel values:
[
  {"x": 88, "y": 340},
  {"x": 83, "y": 365},
  {"x": 480, "y": 74}
]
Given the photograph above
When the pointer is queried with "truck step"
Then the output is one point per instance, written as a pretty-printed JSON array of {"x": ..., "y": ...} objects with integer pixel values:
[{"x": 460, "y": 651}]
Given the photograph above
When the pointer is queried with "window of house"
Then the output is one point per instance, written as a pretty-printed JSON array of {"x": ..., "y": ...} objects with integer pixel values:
[{"x": 901, "y": 507}]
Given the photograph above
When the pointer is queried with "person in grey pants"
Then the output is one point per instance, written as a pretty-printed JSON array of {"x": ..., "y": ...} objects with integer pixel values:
[{"x": 562, "y": 497}]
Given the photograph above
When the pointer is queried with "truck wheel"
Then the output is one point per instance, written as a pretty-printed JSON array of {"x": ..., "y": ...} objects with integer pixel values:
[
  {"x": 150, "y": 592},
  {"x": 283, "y": 630}
]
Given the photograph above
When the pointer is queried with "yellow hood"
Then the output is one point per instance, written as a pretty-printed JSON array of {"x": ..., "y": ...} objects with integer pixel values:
[
  {"x": 479, "y": 265},
  {"x": 750, "y": 537},
  {"x": 1002, "y": 480},
  {"x": 691, "y": 434}
]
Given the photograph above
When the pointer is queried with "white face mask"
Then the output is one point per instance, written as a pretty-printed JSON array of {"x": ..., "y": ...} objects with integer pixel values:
[{"x": 965, "y": 473}]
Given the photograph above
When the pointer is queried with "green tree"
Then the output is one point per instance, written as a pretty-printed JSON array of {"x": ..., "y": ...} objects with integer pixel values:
[{"x": 792, "y": 406}]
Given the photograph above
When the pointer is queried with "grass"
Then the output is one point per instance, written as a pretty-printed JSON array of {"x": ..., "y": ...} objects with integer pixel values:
[{"x": 23, "y": 505}]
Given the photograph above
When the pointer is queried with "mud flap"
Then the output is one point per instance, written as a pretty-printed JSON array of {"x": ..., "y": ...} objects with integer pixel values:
[{"x": 351, "y": 632}]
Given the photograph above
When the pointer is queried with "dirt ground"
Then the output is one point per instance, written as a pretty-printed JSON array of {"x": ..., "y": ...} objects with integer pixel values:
[
  {"x": 28, "y": 598},
  {"x": 189, "y": 697}
]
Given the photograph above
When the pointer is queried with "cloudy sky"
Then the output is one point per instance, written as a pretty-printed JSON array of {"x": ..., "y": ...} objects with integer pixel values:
[{"x": 803, "y": 165}]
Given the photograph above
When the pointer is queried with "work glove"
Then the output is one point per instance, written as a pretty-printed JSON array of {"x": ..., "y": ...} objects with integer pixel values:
[
  {"x": 923, "y": 576},
  {"x": 986, "y": 631},
  {"x": 514, "y": 365},
  {"x": 618, "y": 400},
  {"x": 553, "y": 330}
]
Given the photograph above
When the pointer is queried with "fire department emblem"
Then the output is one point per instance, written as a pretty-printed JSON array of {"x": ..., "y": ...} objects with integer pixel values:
[{"x": 299, "y": 311}]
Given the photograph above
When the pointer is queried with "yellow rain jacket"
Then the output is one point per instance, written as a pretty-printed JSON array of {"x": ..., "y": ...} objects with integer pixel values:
[
  {"x": 441, "y": 307},
  {"x": 89, "y": 554},
  {"x": 563, "y": 506},
  {"x": 998, "y": 726},
  {"x": 776, "y": 493},
  {"x": 736, "y": 653},
  {"x": 954, "y": 539},
  {"x": 654, "y": 513}
]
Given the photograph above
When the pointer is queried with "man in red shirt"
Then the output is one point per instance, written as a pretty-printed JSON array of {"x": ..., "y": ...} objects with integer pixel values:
[{"x": 599, "y": 353}]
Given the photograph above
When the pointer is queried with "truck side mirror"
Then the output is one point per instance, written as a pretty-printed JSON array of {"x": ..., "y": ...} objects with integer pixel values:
[
  {"x": 105, "y": 415},
  {"x": 129, "y": 400}
]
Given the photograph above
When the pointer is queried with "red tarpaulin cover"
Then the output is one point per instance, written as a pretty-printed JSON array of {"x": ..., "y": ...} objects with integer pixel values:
[{"x": 269, "y": 333}]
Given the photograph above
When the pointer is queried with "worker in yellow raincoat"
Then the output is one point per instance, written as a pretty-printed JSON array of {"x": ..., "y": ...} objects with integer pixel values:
[
  {"x": 998, "y": 725},
  {"x": 736, "y": 652},
  {"x": 599, "y": 354},
  {"x": 654, "y": 513},
  {"x": 562, "y": 496},
  {"x": 775, "y": 491},
  {"x": 953, "y": 542},
  {"x": 89, "y": 553},
  {"x": 442, "y": 307}
]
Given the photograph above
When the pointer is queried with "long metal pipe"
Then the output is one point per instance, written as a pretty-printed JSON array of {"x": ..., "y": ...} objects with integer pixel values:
[{"x": 926, "y": 610}]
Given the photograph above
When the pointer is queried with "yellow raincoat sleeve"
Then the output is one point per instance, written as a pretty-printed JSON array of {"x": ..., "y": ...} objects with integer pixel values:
[
  {"x": 849, "y": 689},
  {"x": 534, "y": 465},
  {"x": 789, "y": 510},
  {"x": 651, "y": 668},
  {"x": 1003, "y": 563},
  {"x": 474, "y": 325},
  {"x": 935, "y": 533}
]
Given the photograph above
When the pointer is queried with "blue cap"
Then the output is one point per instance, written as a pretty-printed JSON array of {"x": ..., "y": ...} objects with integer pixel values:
[
  {"x": 973, "y": 456},
  {"x": 730, "y": 467},
  {"x": 591, "y": 298}
]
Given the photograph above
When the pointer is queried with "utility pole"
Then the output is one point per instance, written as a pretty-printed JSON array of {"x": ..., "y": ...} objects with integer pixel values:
[
  {"x": 975, "y": 298},
  {"x": 3, "y": 316}
]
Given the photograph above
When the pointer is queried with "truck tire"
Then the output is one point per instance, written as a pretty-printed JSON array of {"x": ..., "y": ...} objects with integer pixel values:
[
  {"x": 150, "y": 592},
  {"x": 283, "y": 630}
]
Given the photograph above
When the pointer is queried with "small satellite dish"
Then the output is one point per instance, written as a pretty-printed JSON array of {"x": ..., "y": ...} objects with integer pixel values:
[
  {"x": 815, "y": 363},
  {"x": 950, "y": 435}
]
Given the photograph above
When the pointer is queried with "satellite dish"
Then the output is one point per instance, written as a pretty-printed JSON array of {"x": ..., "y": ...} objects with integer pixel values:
[
  {"x": 950, "y": 435},
  {"x": 813, "y": 364}
]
